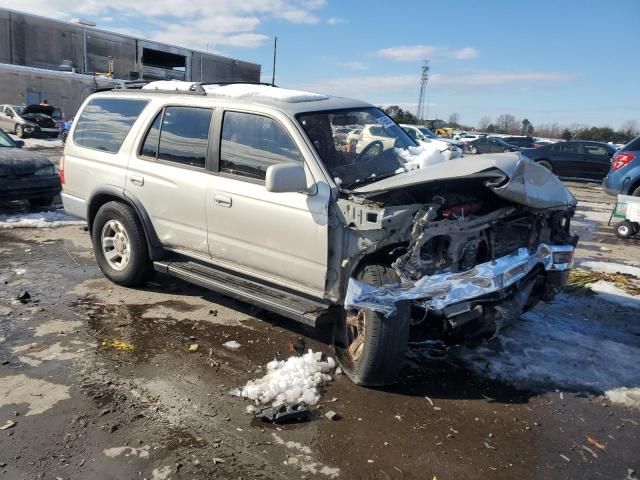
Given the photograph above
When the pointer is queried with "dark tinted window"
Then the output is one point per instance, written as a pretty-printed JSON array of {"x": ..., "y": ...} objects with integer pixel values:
[
  {"x": 185, "y": 135},
  {"x": 150, "y": 145},
  {"x": 105, "y": 122},
  {"x": 565, "y": 147},
  {"x": 596, "y": 150},
  {"x": 252, "y": 143}
]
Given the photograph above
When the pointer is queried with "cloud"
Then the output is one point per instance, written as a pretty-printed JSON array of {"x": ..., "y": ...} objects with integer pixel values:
[
  {"x": 407, "y": 53},
  {"x": 353, "y": 65},
  {"x": 336, "y": 20},
  {"x": 467, "y": 53},
  {"x": 194, "y": 24}
]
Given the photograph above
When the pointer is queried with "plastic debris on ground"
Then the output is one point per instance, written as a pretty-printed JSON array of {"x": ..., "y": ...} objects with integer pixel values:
[
  {"x": 116, "y": 344},
  {"x": 193, "y": 347},
  {"x": 280, "y": 414},
  {"x": 292, "y": 381},
  {"x": 232, "y": 344}
]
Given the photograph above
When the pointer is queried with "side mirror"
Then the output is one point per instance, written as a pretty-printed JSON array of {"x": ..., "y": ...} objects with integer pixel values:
[
  {"x": 286, "y": 177},
  {"x": 10, "y": 114},
  {"x": 19, "y": 143}
]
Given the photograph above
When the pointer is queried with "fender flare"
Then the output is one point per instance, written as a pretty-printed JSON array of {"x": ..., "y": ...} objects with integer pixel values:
[{"x": 154, "y": 245}]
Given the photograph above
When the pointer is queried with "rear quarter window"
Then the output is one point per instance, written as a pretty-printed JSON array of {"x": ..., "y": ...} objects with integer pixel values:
[
  {"x": 632, "y": 145},
  {"x": 105, "y": 122}
]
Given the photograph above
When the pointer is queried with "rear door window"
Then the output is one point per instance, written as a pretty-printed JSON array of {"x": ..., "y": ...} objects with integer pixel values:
[
  {"x": 596, "y": 150},
  {"x": 252, "y": 143},
  {"x": 184, "y": 135},
  {"x": 105, "y": 122}
]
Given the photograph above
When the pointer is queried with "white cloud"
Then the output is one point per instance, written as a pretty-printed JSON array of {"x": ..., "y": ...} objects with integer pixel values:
[
  {"x": 467, "y": 53},
  {"x": 193, "y": 24},
  {"x": 353, "y": 65},
  {"x": 408, "y": 52},
  {"x": 336, "y": 20}
]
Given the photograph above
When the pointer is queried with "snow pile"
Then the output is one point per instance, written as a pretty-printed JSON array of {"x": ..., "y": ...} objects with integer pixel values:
[
  {"x": 611, "y": 293},
  {"x": 571, "y": 344},
  {"x": 53, "y": 219},
  {"x": 245, "y": 90},
  {"x": 420, "y": 157},
  {"x": 610, "y": 267},
  {"x": 295, "y": 380}
]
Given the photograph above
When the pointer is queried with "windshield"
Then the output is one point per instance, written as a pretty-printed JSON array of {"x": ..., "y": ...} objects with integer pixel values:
[
  {"x": 18, "y": 110},
  {"x": 5, "y": 140},
  {"x": 427, "y": 133},
  {"x": 369, "y": 156}
]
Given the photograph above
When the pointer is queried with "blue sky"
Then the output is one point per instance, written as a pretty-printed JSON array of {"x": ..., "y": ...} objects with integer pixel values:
[{"x": 564, "y": 61}]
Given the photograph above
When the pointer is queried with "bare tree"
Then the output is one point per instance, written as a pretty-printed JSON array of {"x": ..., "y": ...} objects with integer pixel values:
[
  {"x": 507, "y": 123},
  {"x": 630, "y": 128},
  {"x": 454, "y": 120},
  {"x": 484, "y": 123}
]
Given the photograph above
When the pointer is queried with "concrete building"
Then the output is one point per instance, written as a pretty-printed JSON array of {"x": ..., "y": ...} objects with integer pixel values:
[{"x": 66, "y": 60}]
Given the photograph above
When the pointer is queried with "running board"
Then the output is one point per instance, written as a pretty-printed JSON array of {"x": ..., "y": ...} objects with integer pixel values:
[{"x": 288, "y": 304}]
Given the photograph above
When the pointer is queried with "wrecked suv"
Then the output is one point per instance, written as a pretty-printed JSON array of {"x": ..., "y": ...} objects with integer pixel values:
[{"x": 241, "y": 189}]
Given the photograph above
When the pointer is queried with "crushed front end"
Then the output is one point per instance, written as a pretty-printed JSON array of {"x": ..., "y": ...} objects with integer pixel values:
[{"x": 471, "y": 253}]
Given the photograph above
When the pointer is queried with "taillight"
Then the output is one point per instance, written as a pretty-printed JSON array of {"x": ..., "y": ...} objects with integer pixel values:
[
  {"x": 621, "y": 159},
  {"x": 61, "y": 169}
]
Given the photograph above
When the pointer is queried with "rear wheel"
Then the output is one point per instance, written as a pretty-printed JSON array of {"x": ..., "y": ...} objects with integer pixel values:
[
  {"x": 369, "y": 345},
  {"x": 120, "y": 245},
  {"x": 636, "y": 192},
  {"x": 473, "y": 149},
  {"x": 625, "y": 229},
  {"x": 546, "y": 164}
]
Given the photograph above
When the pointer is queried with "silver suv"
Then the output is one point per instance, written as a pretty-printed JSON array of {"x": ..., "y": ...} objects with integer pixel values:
[{"x": 242, "y": 189}]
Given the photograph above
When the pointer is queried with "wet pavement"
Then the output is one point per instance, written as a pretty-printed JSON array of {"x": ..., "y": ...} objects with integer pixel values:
[{"x": 100, "y": 384}]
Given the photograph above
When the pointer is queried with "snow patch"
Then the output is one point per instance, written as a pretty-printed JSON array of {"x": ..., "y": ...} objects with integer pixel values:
[
  {"x": 594, "y": 212},
  {"x": 295, "y": 380},
  {"x": 610, "y": 267},
  {"x": 39, "y": 143},
  {"x": 48, "y": 219},
  {"x": 174, "y": 85},
  {"x": 142, "y": 452},
  {"x": 560, "y": 347},
  {"x": 19, "y": 389},
  {"x": 629, "y": 397},
  {"x": 233, "y": 345},
  {"x": 609, "y": 292},
  {"x": 420, "y": 157},
  {"x": 245, "y": 90}
]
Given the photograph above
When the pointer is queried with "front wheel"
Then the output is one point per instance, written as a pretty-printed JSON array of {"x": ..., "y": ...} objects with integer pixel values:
[
  {"x": 120, "y": 245},
  {"x": 473, "y": 149},
  {"x": 546, "y": 164},
  {"x": 370, "y": 346},
  {"x": 20, "y": 131},
  {"x": 625, "y": 229}
]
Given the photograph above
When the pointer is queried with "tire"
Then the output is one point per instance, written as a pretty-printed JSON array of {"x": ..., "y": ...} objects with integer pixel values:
[
  {"x": 41, "y": 202},
  {"x": 473, "y": 149},
  {"x": 546, "y": 164},
  {"x": 625, "y": 229},
  {"x": 20, "y": 131},
  {"x": 63, "y": 136},
  {"x": 506, "y": 150},
  {"x": 636, "y": 192},
  {"x": 381, "y": 347},
  {"x": 119, "y": 222}
]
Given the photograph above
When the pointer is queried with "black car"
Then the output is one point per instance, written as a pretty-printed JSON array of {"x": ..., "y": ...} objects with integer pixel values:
[
  {"x": 26, "y": 175},
  {"x": 577, "y": 159},
  {"x": 490, "y": 145},
  {"x": 524, "y": 142}
]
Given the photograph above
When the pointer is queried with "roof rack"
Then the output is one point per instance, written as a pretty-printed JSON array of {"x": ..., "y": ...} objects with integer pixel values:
[{"x": 195, "y": 89}]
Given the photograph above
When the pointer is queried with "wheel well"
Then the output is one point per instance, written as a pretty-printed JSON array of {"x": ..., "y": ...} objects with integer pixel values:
[
  {"x": 634, "y": 187},
  {"x": 98, "y": 201}
]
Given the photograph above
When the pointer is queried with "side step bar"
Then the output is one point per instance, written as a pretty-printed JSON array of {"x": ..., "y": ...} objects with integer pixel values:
[{"x": 306, "y": 310}]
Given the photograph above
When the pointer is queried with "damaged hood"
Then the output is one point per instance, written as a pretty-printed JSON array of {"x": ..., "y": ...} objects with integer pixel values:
[
  {"x": 509, "y": 175},
  {"x": 42, "y": 109}
]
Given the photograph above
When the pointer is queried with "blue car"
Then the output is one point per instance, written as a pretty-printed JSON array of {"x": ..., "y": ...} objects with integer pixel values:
[{"x": 624, "y": 175}]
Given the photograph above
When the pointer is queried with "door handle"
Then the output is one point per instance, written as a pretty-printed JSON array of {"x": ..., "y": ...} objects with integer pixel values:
[
  {"x": 222, "y": 201},
  {"x": 137, "y": 180}
]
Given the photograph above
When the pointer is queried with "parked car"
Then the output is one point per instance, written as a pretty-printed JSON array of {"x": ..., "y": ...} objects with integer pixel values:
[
  {"x": 26, "y": 175},
  {"x": 340, "y": 135},
  {"x": 448, "y": 147},
  {"x": 30, "y": 120},
  {"x": 542, "y": 143},
  {"x": 577, "y": 158},
  {"x": 267, "y": 209},
  {"x": 490, "y": 145},
  {"x": 353, "y": 136},
  {"x": 624, "y": 175},
  {"x": 519, "y": 141},
  {"x": 429, "y": 134}
]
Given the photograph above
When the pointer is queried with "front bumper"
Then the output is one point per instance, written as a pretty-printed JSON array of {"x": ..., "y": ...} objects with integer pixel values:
[
  {"x": 436, "y": 292},
  {"x": 24, "y": 188},
  {"x": 35, "y": 130}
]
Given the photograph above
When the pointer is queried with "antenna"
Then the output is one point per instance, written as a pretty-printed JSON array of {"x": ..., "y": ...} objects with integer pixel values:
[
  {"x": 424, "y": 78},
  {"x": 275, "y": 51}
]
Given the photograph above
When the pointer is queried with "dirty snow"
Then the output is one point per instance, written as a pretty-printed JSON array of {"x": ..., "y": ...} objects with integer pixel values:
[
  {"x": 35, "y": 354},
  {"x": 294, "y": 380},
  {"x": 47, "y": 219},
  {"x": 594, "y": 212},
  {"x": 629, "y": 397},
  {"x": 39, "y": 143},
  {"x": 21, "y": 389},
  {"x": 161, "y": 473},
  {"x": 609, "y": 292},
  {"x": 243, "y": 90},
  {"x": 610, "y": 267},
  {"x": 57, "y": 327},
  {"x": 557, "y": 346},
  {"x": 233, "y": 345},
  {"x": 420, "y": 157},
  {"x": 302, "y": 459},
  {"x": 142, "y": 452}
]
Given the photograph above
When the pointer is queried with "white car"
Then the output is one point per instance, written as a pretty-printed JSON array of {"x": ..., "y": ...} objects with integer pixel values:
[
  {"x": 449, "y": 149},
  {"x": 374, "y": 138}
]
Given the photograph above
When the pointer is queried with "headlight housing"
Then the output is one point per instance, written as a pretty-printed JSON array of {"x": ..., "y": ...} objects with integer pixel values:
[{"x": 48, "y": 170}]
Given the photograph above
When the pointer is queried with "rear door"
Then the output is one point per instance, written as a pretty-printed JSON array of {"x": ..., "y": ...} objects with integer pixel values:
[
  {"x": 281, "y": 237},
  {"x": 566, "y": 159},
  {"x": 596, "y": 160},
  {"x": 168, "y": 174}
]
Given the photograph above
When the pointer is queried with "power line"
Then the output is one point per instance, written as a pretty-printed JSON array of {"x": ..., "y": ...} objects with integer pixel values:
[{"x": 424, "y": 78}]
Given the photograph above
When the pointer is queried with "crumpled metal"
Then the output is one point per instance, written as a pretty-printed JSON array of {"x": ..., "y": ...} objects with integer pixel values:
[{"x": 443, "y": 289}]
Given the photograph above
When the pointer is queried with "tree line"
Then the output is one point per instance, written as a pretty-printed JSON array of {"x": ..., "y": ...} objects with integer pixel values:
[{"x": 510, "y": 125}]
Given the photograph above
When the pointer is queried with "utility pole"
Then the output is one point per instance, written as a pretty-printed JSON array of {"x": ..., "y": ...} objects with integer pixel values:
[
  {"x": 275, "y": 51},
  {"x": 424, "y": 78}
]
